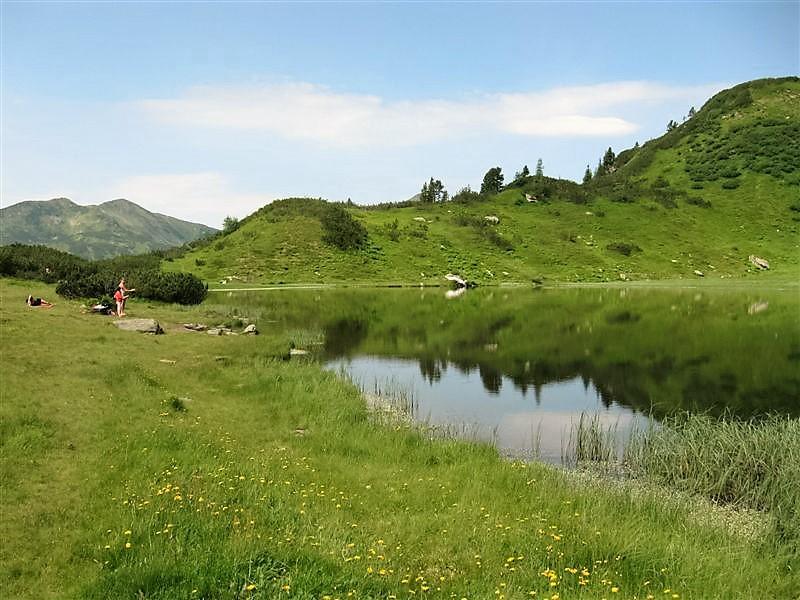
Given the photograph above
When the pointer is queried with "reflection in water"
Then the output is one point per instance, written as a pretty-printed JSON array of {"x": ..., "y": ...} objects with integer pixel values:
[
  {"x": 622, "y": 351},
  {"x": 480, "y": 403},
  {"x": 344, "y": 335}
]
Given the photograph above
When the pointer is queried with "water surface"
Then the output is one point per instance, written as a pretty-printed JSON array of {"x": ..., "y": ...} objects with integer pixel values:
[{"x": 517, "y": 366}]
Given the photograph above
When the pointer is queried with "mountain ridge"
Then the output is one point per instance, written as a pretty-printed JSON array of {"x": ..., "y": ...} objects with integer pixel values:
[{"x": 112, "y": 228}]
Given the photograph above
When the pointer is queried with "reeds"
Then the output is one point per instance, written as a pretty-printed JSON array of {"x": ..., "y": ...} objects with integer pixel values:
[{"x": 753, "y": 464}]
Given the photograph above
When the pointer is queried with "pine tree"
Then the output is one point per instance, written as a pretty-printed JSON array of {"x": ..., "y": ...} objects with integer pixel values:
[
  {"x": 424, "y": 195},
  {"x": 492, "y": 181},
  {"x": 587, "y": 175},
  {"x": 539, "y": 168}
]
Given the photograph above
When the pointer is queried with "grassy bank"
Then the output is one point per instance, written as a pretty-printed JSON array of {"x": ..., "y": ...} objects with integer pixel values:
[{"x": 192, "y": 466}]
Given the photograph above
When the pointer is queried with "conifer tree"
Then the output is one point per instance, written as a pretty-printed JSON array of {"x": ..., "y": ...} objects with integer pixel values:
[
  {"x": 587, "y": 175},
  {"x": 492, "y": 181}
]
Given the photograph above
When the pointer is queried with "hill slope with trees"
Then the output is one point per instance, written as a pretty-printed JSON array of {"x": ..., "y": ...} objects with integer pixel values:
[{"x": 719, "y": 187}]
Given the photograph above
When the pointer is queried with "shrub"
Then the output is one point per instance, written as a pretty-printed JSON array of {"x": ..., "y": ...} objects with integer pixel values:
[
  {"x": 730, "y": 184},
  {"x": 341, "y": 230},
  {"x": 624, "y": 248},
  {"x": 182, "y": 288},
  {"x": 465, "y": 195},
  {"x": 697, "y": 201},
  {"x": 392, "y": 230}
]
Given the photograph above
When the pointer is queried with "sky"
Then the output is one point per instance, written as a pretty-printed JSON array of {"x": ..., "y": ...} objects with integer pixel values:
[{"x": 203, "y": 110}]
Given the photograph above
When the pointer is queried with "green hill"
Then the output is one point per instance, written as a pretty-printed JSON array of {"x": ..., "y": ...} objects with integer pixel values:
[
  {"x": 102, "y": 231},
  {"x": 716, "y": 189}
]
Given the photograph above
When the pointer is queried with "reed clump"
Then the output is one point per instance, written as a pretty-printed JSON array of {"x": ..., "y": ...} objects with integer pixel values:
[{"x": 754, "y": 464}]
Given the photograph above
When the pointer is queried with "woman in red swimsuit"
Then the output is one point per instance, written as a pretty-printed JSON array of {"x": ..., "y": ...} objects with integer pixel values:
[{"x": 119, "y": 298}]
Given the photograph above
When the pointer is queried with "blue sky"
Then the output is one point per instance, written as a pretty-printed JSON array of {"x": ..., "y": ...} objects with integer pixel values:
[{"x": 201, "y": 110}]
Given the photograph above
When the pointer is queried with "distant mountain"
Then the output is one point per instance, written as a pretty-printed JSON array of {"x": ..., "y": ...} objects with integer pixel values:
[{"x": 109, "y": 229}]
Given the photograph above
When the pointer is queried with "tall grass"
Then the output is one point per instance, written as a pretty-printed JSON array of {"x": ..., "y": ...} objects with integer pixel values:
[
  {"x": 589, "y": 441},
  {"x": 753, "y": 463},
  {"x": 749, "y": 464}
]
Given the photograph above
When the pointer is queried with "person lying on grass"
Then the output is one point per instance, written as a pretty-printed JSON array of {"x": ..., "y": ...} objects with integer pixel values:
[{"x": 38, "y": 302}]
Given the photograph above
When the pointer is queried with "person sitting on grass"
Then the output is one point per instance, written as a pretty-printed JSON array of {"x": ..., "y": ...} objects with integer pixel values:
[
  {"x": 40, "y": 302},
  {"x": 119, "y": 298}
]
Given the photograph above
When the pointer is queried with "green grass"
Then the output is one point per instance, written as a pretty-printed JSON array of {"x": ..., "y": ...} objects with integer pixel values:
[{"x": 276, "y": 482}]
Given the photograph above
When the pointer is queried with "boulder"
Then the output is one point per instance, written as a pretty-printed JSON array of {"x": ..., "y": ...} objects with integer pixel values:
[
  {"x": 250, "y": 330},
  {"x": 140, "y": 325},
  {"x": 699, "y": 273},
  {"x": 195, "y": 326},
  {"x": 759, "y": 262},
  {"x": 492, "y": 219}
]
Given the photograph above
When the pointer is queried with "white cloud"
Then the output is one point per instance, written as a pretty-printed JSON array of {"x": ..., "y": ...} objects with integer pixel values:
[
  {"x": 199, "y": 197},
  {"x": 304, "y": 111}
]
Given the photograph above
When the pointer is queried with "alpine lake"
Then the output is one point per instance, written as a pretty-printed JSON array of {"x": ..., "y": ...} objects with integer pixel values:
[{"x": 521, "y": 367}]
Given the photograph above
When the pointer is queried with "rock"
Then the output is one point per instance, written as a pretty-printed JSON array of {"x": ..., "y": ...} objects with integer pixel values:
[
  {"x": 699, "y": 273},
  {"x": 757, "y": 307},
  {"x": 297, "y": 352},
  {"x": 460, "y": 282},
  {"x": 195, "y": 326},
  {"x": 420, "y": 219},
  {"x": 214, "y": 331},
  {"x": 759, "y": 262},
  {"x": 250, "y": 330},
  {"x": 492, "y": 219},
  {"x": 166, "y": 361},
  {"x": 140, "y": 325}
]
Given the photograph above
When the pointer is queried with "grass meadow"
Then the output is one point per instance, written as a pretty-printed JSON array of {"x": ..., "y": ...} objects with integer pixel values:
[{"x": 190, "y": 466}]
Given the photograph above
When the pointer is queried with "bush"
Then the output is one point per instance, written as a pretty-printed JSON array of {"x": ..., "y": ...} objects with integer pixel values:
[
  {"x": 181, "y": 288},
  {"x": 466, "y": 195},
  {"x": 392, "y": 230},
  {"x": 79, "y": 278},
  {"x": 730, "y": 184},
  {"x": 624, "y": 248},
  {"x": 697, "y": 201},
  {"x": 341, "y": 230}
]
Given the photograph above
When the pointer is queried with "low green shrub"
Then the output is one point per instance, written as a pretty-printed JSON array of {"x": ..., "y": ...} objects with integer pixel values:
[
  {"x": 697, "y": 201},
  {"x": 341, "y": 230},
  {"x": 624, "y": 248}
]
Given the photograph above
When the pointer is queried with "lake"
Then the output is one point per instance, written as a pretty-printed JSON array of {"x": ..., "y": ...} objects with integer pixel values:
[{"x": 518, "y": 366}]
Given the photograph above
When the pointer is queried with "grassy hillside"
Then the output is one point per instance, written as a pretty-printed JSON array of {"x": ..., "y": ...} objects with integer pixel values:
[
  {"x": 722, "y": 186},
  {"x": 109, "y": 229}
]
